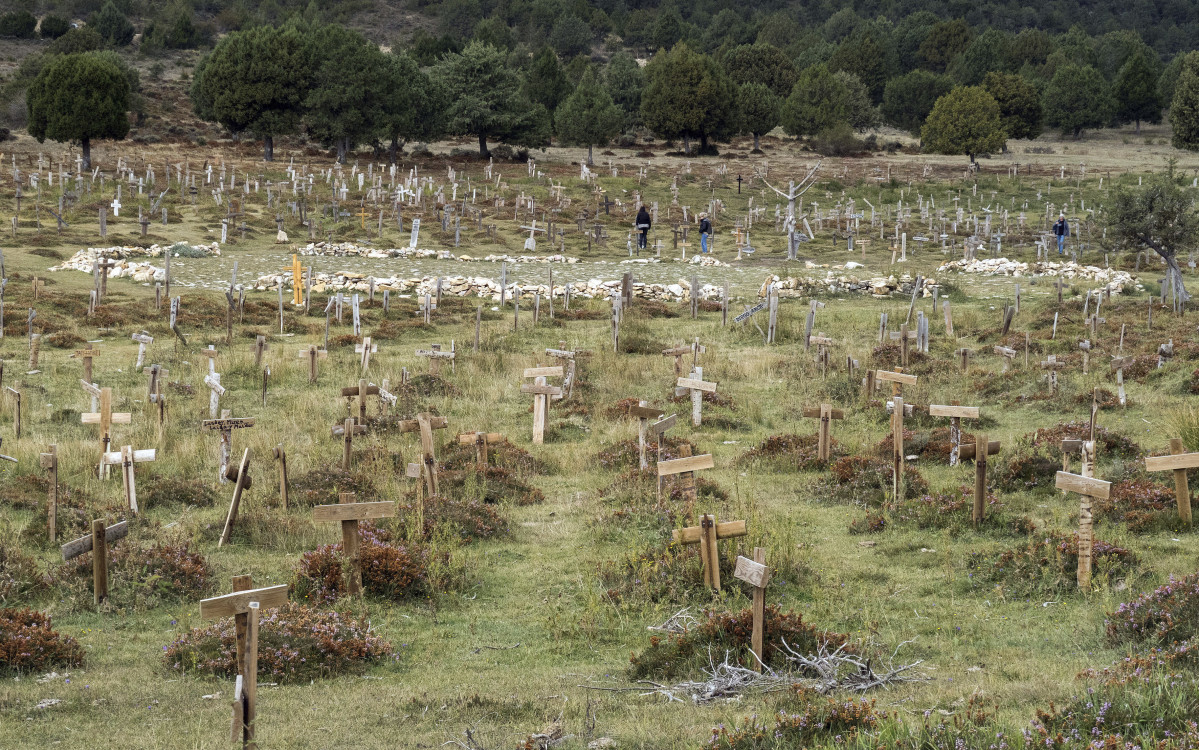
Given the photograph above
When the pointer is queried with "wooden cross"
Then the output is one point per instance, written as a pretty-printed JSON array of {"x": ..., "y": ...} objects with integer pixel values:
[
  {"x": 241, "y": 482},
  {"x": 347, "y": 430},
  {"x": 482, "y": 442},
  {"x": 361, "y": 392},
  {"x": 424, "y": 424},
  {"x": 963, "y": 355},
  {"x": 1008, "y": 355},
  {"x": 541, "y": 393},
  {"x": 349, "y": 512},
  {"x": 87, "y": 355},
  {"x": 1117, "y": 366},
  {"x": 658, "y": 429},
  {"x": 97, "y": 543},
  {"x": 38, "y": 285},
  {"x": 106, "y": 418},
  {"x": 644, "y": 413},
  {"x": 216, "y": 390},
  {"x": 126, "y": 458},
  {"x": 696, "y": 384},
  {"x": 897, "y": 455},
  {"x": 244, "y": 605},
  {"x": 896, "y": 379},
  {"x": 312, "y": 354},
  {"x": 260, "y": 346},
  {"x": 956, "y": 414},
  {"x": 1178, "y": 462},
  {"x": 142, "y": 340},
  {"x": 297, "y": 280},
  {"x": 903, "y": 335},
  {"x": 694, "y": 349},
  {"x": 686, "y": 465},
  {"x": 826, "y": 414},
  {"x": 225, "y": 425},
  {"x": 756, "y": 574},
  {"x": 570, "y": 362},
  {"x": 822, "y": 343},
  {"x": 49, "y": 462},
  {"x": 1090, "y": 489},
  {"x": 435, "y": 355},
  {"x": 158, "y": 374},
  {"x": 366, "y": 349},
  {"x": 706, "y": 535},
  {"x": 1053, "y": 366}
]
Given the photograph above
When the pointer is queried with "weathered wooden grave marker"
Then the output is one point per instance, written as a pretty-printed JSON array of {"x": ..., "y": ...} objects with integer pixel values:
[
  {"x": 1008, "y": 355},
  {"x": 126, "y": 458},
  {"x": 97, "y": 543},
  {"x": 216, "y": 390},
  {"x": 435, "y": 355},
  {"x": 822, "y": 343},
  {"x": 644, "y": 413},
  {"x": 241, "y": 482},
  {"x": 826, "y": 414},
  {"x": 897, "y": 380},
  {"x": 1089, "y": 489},
  {"x": 349, "y": 512},
  {"x": 366, "y": 349},
  {"x": 482, "y": 442},
  {"x": 541, "y": 393},
  {"x": 346, "y": 430},
  {"x": 756, "y": 574},
  {"x": 87, "y": 355},
  {"x": 686, "y": 465},
  {"x": 361, "y": 392},
  {"x": 956, "y": 414},
  {"x": 1052, "y": 365},
  {"x": 312, "y": 354},
  {"x": 226, "y": 425},
  {"x": 697, "y": 386},
  {"x": 424, "y": 424},
  {"x": 706, "y": 535},
  {"x": 143, "y": 339},
  {"x": 1178, "y": 462},
  {"x": 105, "y": 417},
  {"x": 49, "y": 462},
  {"x": 1117, "y": 366},
  {"x": 260, "y": 347},
  {"x": 281, "y": 458}
]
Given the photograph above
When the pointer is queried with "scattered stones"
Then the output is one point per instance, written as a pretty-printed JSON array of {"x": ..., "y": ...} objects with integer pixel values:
[
  {"x": 831, "y": 283},
  {"x": 1111, "y": 278},
  {"x": 123, "y": 267}
]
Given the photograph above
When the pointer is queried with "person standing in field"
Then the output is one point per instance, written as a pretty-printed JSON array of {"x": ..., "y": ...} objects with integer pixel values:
[
  {"x": 705, "y": 230},
  {"x": 1062, "y": 230},
  {"x": 643, "y": 224}
]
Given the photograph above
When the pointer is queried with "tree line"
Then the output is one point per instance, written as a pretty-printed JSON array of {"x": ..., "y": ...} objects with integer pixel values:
[{"x": 966, "y": 94}]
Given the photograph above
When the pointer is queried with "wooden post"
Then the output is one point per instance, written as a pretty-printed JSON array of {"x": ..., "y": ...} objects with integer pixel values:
[
  {"x": 250, "y": 675},
  {"x": 241, "y": 483},
  {"x": 1088, "y": 488},
  {"x": 1178, "y": 462},
  {"x": 49, "y": 461},
  {"x": 897, "y": 449},
  {"x": 349, "y": 545},
  {"x": 706, "y": 536},
  {"x": 756, "y": 574},
  {"x": 99, "y": 562},
  {"x": 980, "y": 478},
  {"x": 349, "y": 513},
  {"x": 281, "y": 458}
]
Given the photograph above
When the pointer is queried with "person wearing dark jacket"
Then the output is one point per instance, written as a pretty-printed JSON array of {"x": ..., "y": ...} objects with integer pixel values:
[
  {"x": 643, "y": 224},
  {"x": 1062, "y": 230},
  {"x": 705, "y": 231}
]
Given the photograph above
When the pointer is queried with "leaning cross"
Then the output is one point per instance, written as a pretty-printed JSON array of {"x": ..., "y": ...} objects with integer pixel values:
[
  {"x": 125, "y": 458},
  {"x": 1008, "y": 355},
  {"x": 97, "y": 543},
  {"x": 241, "y": 482},
  {"x": 226, "y": 425},
  {"x": 541, "y": 393},
  {"x": 142, "y": 340},
  {"x": 1090, "y": 489},
  {"x": 1178, "y": 462},
  {"x": 644, "y": 413},
  {"x": 706, "y": 535},
  {"x": 366, "y": 349},
  {"x": 696, "y": 384},
  {"x": 425, "y": 423},
  {"x": 897, "y": 380},
  {"x": 349, "y": 513},
  {"x": 826, "y": 414},
  {"x": 213, "y": 381}
]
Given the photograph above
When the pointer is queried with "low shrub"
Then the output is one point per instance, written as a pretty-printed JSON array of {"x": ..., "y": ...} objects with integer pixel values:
[
  {"x": 295, "y": 643},
  {"x": 869, "y": 480},
  {"x": 19, "y": 574},
  {"x": 29, "y": 644},
  {"x": 661, "y": 572},
  {"x": 462, "y": 519},
  {"x": 682, "y": 653},
  {"x": 791, "y": 451},
  {"x": 389, "y": 571},
  {"x": 493, "y": 484},
  {"x": 1141, "y": 503},
  {"x": 142, "y": 575},
  {"x": 1166, "y": 615},
  {"x": 1048, "y": 565},
  {"x": 322, "y": 486},
  {"x": 626, "y": 454},
  {"x": 826, "y": 720},
  {"x": 163, "y": 490}
]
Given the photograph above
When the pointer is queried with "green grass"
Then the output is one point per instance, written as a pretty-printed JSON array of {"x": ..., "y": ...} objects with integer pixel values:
[{"x": 459, "y": 665}]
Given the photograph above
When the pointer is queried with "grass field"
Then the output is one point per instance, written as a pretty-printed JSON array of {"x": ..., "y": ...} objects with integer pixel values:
[{"x": 513, "y": 634}]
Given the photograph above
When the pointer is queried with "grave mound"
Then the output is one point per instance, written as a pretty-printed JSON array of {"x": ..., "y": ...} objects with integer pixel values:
[
  {"x": 791, "y": 451},
  {"x": 389, "y": 570},
  {"x": 29, "y": 644},
  {"x": 463, "y": 520},
  {"x": 141, "y": 575},
  {"x": 1046, "y": 566}
]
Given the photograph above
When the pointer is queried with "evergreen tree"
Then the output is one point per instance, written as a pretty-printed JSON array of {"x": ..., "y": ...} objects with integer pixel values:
[
  {"x": 350, "y": 83},
  {"x": 483, "y": 98},
  {"x": 254, "y": 82},
  {"x": 589, "y": 116},
  {"x": 1076, "y": 98},
  {"x": 687, "y": 95},
  {"x": 411, "y": 106},
  {"x": 761, "y": 63},
  {"x": 545, "y": 81},
  {"x": 571, "y": 36},
  {"x": 53, "y": 26},
  {"x": 81, "y": 98},
  {"x": 1019, "y": 104},
  {"x": 990, "y": 51},
  {"x": 1135, "y": 90},
  {"x": 625, "y": 81},
  {"x": 964, "y": 121},
  {"x": 865, "y": 57},
  {"x": 855, "y": 104},
  {"x": 944, "y": 43},
  {"x": 1184, "y": 109},
  {"x": 112, "y": 24},
  {"x": 759, "y": 110},
  {"x": 909, "y": 98},
  {"x": 19, "y": 24},
  {"x": 1159, "y": 215},
  {"x": 816, "y": 103}
]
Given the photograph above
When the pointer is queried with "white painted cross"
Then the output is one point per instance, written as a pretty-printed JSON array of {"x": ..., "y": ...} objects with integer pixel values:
[
  {"x": 125, "y": 458},
  {"x": 116, "y": 206},
  {"x": 142, "y": 340},
  {"x": 213, "y": 381}
]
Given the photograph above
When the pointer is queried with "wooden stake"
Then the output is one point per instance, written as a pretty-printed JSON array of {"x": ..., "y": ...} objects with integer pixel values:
[{"x": 99, "y": 562}]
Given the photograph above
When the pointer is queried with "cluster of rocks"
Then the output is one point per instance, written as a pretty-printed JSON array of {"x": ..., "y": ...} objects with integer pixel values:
[
  {"x": 831, "y": 283},
  {"x": 349, "y": 249},
  {"x": 476, "y": 286},
  {"x": 1110, "y": 278},
  {"x": 124, "y": 265}
]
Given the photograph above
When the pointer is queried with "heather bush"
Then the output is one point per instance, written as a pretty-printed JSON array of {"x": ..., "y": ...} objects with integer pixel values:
[
  {"x": 142, "y": 575},
  {"x": 166, "y": 490},
  {"x": 295, "y": 643},
  {"x": 29, "y": 644},
  {"x": 791, "y": 452},
  {"x": 820, "y": 720},
  {"x": 19, "y": 574},
  {"x": 867, "y": 480},
  {"x": 390, "y": 571},
  {"x": 462, "y": 519},
  {"x": 1047, "y": 565},
  {"x": 1166, "y": 615}
]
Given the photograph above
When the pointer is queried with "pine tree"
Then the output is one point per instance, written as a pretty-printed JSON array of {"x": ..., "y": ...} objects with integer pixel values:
[
  {"x": 588, "y": 116},
  {"x": 1184, "y": 109},
  {"x": 79, "y": 98},
  {"x": 1076, "y": 98},
  {"x": 964, "y": 121},
  {"x": 1135, "y": 90},
  {"x": 759, "y": 110}
]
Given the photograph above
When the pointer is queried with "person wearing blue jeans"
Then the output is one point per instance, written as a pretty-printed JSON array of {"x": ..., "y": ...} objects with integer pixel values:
[
  {"x": 1062, "y": 230},
  {"x": 705, "y": 229}
]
